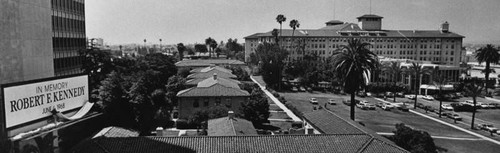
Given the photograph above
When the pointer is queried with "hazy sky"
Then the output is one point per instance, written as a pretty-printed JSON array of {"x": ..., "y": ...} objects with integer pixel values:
[{"x": 191, "y": 21}]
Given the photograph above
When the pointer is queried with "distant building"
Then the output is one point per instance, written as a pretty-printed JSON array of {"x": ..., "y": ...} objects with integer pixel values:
[
  {"x": 212, "y": 91},
  {"x": 193, "y": 64},
  {"x": 436, "y": 46}
]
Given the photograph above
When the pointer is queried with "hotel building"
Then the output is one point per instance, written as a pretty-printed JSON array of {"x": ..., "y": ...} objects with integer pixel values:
[{"x": 441, "y": 46}]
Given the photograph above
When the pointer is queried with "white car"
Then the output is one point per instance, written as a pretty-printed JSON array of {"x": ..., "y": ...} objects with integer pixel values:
[
  {"x": 332, "y": 102},
  {"x": 446, "y": 107},
  {"x": 313, "y": 101},
  {"x": 428, "y": 97},
  {"x": 387, "y": 106},
  {"x": 410, "y": 96}
]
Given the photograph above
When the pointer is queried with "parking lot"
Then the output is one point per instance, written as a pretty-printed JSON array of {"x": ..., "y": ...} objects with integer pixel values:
[{"x": 382, "y": 121}]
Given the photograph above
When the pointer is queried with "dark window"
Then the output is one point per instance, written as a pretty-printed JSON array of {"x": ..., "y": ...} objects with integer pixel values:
[{"x": 196, "y": 103}]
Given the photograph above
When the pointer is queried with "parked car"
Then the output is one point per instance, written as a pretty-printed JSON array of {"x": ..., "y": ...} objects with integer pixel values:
[
  {"x": 412, "y": 97},
  {"x": 302, "y": 88},
  {"x": 387, "y": 106},
  {"x": 403, "y": 108},
  {"x": 389, "y": 94},
  {"x": 348, "y": 101},
  {"x": 446, "y": 107},
  {"x": 332, "y": 102},
  {"x": 494, "y": 105},
  {"x": 400, "y": 94},
  {"x": 487, "y": 127},
  {"x": 379, "y": 104},
  {"x": 455, "y": 117},
  {"x": 313, "y": 101},
  {"x": 369, "y": 106},
  {"x": 361, "y": 94},
  {"x": 428, "y": 97},
  {"x": 484, "y": 106},
  {"x": 295, "y": 89}
]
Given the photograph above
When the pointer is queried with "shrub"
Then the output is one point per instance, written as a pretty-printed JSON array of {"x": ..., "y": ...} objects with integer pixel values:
[
  {"x": 184, "y": 124},
  {"x": 282, "y": 99},
  {"x": 276, "y": 94},
  {"x": 294, "y": 109}
]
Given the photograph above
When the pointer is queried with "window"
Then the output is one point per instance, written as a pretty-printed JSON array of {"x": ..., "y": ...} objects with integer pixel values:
[
  {"x": 196, "y": 103},
  {"x": 217, "y": 101}
]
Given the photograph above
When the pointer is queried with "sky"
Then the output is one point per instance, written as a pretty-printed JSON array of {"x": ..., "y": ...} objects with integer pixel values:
[{"x": 192, "y": 21}]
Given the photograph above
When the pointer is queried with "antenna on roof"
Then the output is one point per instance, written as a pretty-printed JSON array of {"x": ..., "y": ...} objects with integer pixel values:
[{"x": 370, "y": 6}]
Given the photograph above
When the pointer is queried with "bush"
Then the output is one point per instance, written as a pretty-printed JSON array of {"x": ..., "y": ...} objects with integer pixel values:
[
  {"x": 294, "y": 110},
  {"x": 413, "y": 140},
  {"x": 282, "y": 99},
  {"x": 184, "y": 124},
  {"x": 276, "y": 94}
]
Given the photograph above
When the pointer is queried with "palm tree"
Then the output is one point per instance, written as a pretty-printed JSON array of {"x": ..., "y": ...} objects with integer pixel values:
[
  {"x": 209, "y": 42},
  {"x": 417, "y": 70},
  {"x": 275, "y": 34},
  {"x": 394, "y": 68},
  {"x": 352, "y": 65},
  {"x": 294, "y": 24},
  {"x": 474, "y": 89},
  {"x": 280, "y": 19},
  {"x": 439, "y": 80},
  {"x": 488, "y": 54}
]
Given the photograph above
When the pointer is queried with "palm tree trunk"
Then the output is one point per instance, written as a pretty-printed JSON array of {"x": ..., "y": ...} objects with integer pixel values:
[
  {"x": 416, "y": 92},
  {"x": 280, "y": 34},
  {"x": 440, "y": 102},
  {"x": 353, "y": 104},
  {"x": 473, "y": 113},
  {"x": 486, "y": 77}
]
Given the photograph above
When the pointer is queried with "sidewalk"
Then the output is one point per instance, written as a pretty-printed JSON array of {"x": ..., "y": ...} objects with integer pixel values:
[{"x": 277, "y": 102}]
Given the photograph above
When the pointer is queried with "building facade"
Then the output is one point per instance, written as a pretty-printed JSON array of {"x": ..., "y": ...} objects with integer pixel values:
[
  {"x": 435, "y": 46},
  {"x": 68, "y": 35}
]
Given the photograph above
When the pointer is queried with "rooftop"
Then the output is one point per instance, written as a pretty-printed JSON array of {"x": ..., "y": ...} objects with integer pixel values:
[
  {"x": 206, "y": 69},
  {"x": 116, "y": 132},
  {"x": 210, "y": 73},
  {"x": 212, "y": 81},
  {"x": 370, "y": 16},
  {"x": 231, "y": 144},
  {"x": 230, "y": 127},
  {"x": 215, "y": 90},
  {"x": 195, "y": 81},
  {"x": 208, "y": 62}
]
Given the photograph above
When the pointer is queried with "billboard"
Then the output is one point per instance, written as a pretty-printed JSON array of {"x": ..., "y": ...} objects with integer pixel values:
[{"x": 31, "y": 101}]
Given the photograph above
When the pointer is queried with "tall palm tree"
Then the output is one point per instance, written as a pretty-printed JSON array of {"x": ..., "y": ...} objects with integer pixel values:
[
  {"x": 439, "y": 80},
  {"x": 294, "y": 24},
  {"x": 488, "y": 54},
  {"x": 474, "y": 89},
  {"x": 280, "y": 19},
  {"x": 417, "y": 70},
  {"x": 394, "y": 68},
  {"x": 352, "y": 65}
]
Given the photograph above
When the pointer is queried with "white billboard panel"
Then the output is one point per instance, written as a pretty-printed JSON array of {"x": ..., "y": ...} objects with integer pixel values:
[{"x": 32, "y": 101}]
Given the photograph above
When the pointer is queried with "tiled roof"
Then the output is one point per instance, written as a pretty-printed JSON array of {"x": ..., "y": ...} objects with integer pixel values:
[
  {"x": 230, "y": 127},
  {"x": 212, "y": 91},
  {"x": 334, "y": 22},
  {"x": 329, "y": 123},
  {"x": 211, "y": 73},
  {"x": 230, "y": 144},
  {"x": 211, "y": 81},
  {"x": 195, "y": 81},
  {"x": 370, "y": 16},
  {"x": 377, "y": 145},
  {"x": 208, "y": 62},
  {"x": 205, "y": 69},
  {"x": 116, "y": 132}
]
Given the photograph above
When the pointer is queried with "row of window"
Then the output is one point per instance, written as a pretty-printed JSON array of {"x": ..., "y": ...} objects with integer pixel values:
[
  {"x": 70, "y": 6},
  {"x": 71, "y": 65},
  {"x": 67, "y": 24},
  {"x": 196, "y": 102},
  {"x": 80, "y": 43}
]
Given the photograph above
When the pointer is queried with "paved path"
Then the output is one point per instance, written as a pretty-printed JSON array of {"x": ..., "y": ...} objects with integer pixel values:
[
  {"x": 448, "y": 124},
  {"x": 438, "y": 137},
  {"x": 277, "y": 102}
]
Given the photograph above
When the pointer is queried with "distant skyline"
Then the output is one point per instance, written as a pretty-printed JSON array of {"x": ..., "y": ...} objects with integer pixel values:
[{"x": 192, "y": 21}]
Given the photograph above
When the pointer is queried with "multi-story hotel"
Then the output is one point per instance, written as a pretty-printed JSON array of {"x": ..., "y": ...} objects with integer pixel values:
[
  {"x": 40, "y": 39},
  {"x": 435, "y": 46}
]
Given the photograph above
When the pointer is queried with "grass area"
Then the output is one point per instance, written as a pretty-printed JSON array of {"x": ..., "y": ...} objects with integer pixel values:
[{"x": 274, "y": 107}]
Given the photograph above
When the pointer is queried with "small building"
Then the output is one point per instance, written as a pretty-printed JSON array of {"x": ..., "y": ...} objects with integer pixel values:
[
  {"x": 212, "y": 91},
  {"x": 230, "y": 126}
]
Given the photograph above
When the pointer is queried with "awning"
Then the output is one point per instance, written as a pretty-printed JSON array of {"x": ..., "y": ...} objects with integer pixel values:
[{"x": 433, "y": 87}]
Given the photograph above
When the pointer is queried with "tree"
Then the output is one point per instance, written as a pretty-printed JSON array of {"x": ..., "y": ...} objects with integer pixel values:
[
  {"x": 200, "y": 48},
  {"x": 275, "y": 34},
  {"x": 280, "y": 19},
  {"x": 175, "y": 84},
  {"x": 294, "y": 24},
  {"x": 415, "y": 141},
  {"x": 114, "y": 102},
  {"x": 181, "y": 48},
  {"x": 394, "y": 68},
  {"x": 417, "y": 70},
  {"x": 211, "y": 44},
  {"x": 256, "y": 109},
  {"x": 353, "y": 64},
  {"x": 474, "y": 89},
  {"x": 272, "y": 57},
  {"x": 439, "y": 80},
  {"x": 97, "y": 64},
  {"x": 488, "y": 54}
]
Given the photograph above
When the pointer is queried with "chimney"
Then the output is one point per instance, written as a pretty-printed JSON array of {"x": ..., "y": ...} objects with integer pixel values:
[
  {"x": 159, "y": 131},
  {"x": 445, "y": 27},
  {"x": 215, "y": 76},
  {"x": 230, "y": 114}
]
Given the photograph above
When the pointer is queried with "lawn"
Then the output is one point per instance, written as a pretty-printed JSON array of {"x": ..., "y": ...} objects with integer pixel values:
[
  {"x": 468, "y": 146},
  {"x": 279, "y": 115}
]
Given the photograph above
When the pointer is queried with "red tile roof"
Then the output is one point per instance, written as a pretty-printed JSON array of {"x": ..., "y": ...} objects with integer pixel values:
[
  {"x": 230, "y": 127},
  {"x": 230, "y": 144},
  {"x": 216, "y": 90}
]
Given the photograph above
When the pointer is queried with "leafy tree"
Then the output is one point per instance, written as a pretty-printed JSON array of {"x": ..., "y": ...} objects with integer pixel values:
[
  {"x": 272, "y": 57},
  {"x": 412, "y": 140},
  {"x": 114, "y": 102},
  {"x": 474, "y": 89},
  {"x": 275, "y": 34},
  {"x": 97, "y": 64},
  {"x": 256, "y": 109},
  {"x": 184, "y": 72},
  {"x": 353, "y": 65},
  {"x": 241, "y": 74},
  {"x": 488, "y": 54},
  {"x": 204, "y": 115},
  {"x": 200, "y": 48},
  {"x": 280, "y": 19},
  {"x": 254, "y": 59},
  {"x": 175, "y": 84},
  {"x": 181, "y": 48}
]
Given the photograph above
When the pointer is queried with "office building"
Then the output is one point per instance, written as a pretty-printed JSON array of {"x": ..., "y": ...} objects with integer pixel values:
[{"x": 440, "y": 46}]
